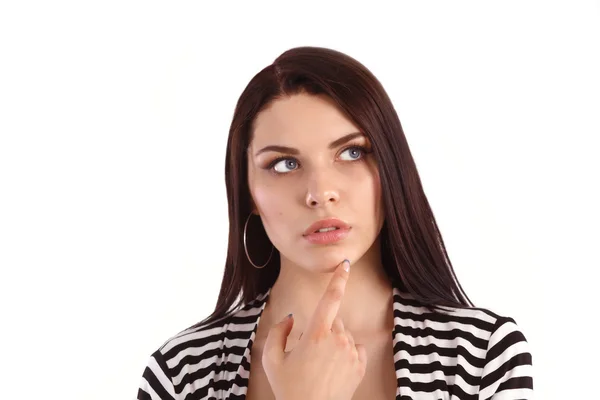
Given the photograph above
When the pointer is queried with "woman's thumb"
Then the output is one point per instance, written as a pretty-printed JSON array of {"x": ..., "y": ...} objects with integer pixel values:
[{"x": 273, "y": 351}]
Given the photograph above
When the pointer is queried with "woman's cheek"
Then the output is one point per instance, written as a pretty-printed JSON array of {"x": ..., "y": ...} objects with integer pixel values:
[
  {"x": 265, "y": 196},
  {"x": 271, "y": 206}
]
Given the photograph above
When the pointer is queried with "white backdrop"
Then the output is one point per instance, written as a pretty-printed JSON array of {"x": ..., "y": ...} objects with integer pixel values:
[{"x": 113, "y": 124}]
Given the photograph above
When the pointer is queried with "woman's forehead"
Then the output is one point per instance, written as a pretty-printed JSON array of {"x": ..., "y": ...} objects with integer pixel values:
[{"x": 299, "y": 118}]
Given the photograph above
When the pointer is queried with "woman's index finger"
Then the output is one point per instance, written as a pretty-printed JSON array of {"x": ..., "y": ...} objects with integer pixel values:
[{"x": 329, "y": 305}]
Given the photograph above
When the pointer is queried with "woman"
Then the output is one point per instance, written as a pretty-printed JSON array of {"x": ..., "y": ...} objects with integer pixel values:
[{"x": 319, "y": 172}]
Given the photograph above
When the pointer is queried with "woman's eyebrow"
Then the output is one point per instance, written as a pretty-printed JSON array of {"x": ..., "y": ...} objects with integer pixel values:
[
  {"x": 291, "y": 150},
  {"x": 344, "y": 139}
]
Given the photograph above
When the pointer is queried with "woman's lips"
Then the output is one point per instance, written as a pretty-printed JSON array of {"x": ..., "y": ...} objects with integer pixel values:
[
  {"x": 326, "y": 223},
  {"x": 327, "y": 237}
]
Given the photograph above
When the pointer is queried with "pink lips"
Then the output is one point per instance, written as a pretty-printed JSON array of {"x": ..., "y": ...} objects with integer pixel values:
[{"x": 331, "y": 236}]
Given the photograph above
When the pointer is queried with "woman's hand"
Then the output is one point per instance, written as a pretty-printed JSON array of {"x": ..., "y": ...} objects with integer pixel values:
[{"x": 326, "y": 364}]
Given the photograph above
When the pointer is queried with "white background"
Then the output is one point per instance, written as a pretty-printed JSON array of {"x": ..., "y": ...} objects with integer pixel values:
[{"x": 113, "y": 124}]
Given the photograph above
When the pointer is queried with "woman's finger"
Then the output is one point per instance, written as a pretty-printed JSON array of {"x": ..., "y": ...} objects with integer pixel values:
[
  {"x": 327, "y": 308},
  {"x": 352, "y": 343},
  {"x": 337, "y": 326}
]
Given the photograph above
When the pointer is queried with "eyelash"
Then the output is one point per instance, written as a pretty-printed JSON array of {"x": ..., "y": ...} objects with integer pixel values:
[{"x": 272, "y": 164}]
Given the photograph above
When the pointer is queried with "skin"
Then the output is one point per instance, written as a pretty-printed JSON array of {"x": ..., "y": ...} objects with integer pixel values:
[
  {"x": 316, "y": 183},
  {"x": 326, "y": 364}
]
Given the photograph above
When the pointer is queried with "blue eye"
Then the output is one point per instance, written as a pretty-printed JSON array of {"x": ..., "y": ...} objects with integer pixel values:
[
  {"x": 354, "y": 153},
  {"x": 285, "y": 165}
]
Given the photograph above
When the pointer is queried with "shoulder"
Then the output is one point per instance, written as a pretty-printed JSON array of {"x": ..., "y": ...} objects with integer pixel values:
[
  {"x": 491, "y": 347},
  {"x": 190, "y": 361},
  {"x": 229, "y": 331},
  {"x": 184, "y": 363},
  {"x": 480, "y": 322}
]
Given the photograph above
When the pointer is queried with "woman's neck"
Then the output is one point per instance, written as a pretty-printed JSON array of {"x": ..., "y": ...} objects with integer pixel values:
[{"x": 366, "y": 307}]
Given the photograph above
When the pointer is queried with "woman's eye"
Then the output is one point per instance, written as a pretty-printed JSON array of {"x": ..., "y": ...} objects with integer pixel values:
[
  {"x": 353, "y": 153},
  {"x": 285, "y": 165}
]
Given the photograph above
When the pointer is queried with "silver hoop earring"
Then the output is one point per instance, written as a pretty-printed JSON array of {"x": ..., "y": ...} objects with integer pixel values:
[{"x": 246, "y": 247}]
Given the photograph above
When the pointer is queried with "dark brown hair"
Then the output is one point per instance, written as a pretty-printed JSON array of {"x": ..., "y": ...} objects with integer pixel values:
[{"x": 413, "y": 251}]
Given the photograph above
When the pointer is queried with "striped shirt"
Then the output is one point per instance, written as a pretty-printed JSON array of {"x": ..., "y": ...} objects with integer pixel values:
[{"x": 458, "y": 354}]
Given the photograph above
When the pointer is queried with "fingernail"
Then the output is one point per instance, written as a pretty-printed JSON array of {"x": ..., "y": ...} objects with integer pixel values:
[
  {"x": 289, "y": 316},
  {"x": 346, "y": 265}
]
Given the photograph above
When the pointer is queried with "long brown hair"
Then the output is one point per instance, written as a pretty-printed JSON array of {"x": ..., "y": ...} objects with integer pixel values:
[{"x": 413, "y": 252}]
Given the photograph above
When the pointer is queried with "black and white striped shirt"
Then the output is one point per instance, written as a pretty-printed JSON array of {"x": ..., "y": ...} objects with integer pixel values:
[{"x": 462, "y": 354}]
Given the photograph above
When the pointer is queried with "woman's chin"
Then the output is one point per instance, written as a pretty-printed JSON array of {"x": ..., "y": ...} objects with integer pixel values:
[{"x": 327, "y": 261}]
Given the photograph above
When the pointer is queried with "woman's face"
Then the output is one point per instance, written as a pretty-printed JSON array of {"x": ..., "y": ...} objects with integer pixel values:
[{"x": 307, "y": 162}]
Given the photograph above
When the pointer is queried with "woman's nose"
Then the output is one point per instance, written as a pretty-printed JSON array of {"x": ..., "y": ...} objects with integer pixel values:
[{"x": 320, "y": 193}]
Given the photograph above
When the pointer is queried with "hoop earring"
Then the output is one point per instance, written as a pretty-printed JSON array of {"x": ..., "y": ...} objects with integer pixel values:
[{"x": 246, "y": 247}]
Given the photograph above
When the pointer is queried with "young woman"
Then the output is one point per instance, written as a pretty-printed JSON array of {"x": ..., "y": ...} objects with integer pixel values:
[{"x": 328, "y": 221}]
